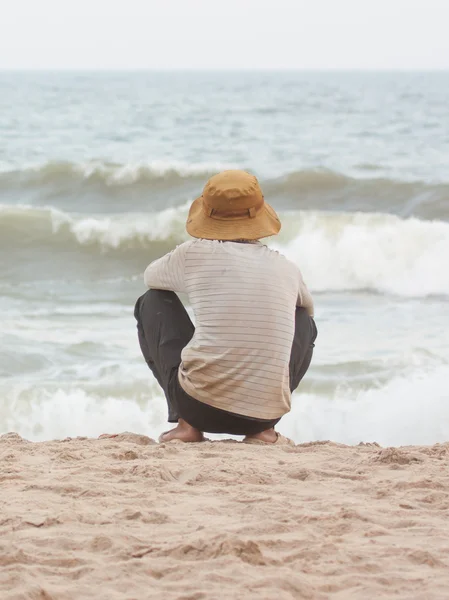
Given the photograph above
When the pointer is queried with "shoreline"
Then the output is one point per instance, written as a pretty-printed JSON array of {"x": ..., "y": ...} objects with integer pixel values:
[{"x": 125, "y": 517}]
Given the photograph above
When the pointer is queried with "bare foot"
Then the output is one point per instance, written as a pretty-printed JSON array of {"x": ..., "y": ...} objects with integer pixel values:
[
  {"x": 183, "y": 432},
  {"x": 269, "y": 436}
]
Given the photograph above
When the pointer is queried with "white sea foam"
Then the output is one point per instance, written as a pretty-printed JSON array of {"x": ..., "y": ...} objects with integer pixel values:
[
  {"x": 363, "y": 251},
  {"x": 46, "y": 415},
  {"x": 122, "y": 230},
  {"x": 410, "y": 409},
  {"x": 406, "y": 410}
]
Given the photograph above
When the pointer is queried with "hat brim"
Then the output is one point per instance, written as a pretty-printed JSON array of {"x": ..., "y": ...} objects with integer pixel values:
[{"x": 199, "y": 225}]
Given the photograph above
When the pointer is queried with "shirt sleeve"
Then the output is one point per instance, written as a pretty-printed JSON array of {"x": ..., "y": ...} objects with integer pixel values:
[
  {"x": 167, "y": 272},
  {"x": 304, "y": 297}
]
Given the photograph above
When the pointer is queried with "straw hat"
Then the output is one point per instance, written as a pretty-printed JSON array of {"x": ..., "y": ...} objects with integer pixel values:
[{"x": 232, "y": 207}]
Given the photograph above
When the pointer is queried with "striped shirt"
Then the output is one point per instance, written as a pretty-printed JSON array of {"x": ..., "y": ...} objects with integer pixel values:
[{"x": 243, "y": 297}]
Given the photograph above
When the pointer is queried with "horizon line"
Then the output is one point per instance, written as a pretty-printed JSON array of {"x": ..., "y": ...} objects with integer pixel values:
[{"x": 229, "y": 69}]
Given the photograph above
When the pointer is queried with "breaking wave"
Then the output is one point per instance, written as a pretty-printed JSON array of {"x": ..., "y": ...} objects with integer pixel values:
[
  {"x": 336, "y": 251},
  {"x": 31, "y": 226},
  {"x": 109, "y": 173},
  {"x": 101, "y": 186},
  {"x": 410, "y": 409}
]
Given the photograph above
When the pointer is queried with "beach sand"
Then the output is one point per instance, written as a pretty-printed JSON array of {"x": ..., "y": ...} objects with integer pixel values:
[{"x": 127, "y": 518}]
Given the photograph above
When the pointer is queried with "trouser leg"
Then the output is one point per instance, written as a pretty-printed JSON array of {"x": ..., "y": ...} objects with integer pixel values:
[
  {"x": 302, "y": 347},
  {"x": 164, "y": 329}
]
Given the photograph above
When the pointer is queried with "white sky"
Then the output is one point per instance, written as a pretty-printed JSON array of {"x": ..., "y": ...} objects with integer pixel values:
[{"x": 215, "y": 34}]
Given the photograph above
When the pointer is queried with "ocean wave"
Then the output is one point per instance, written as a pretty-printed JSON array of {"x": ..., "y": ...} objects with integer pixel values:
[
  {"x": 408, "y": 409},
  {"x": 335, "y": 251},
  {"x": 321, "y": 189},
  {"x": 39, "y": 413},
  {"x": 109, "y": 173},
  {"x": 363, "y": 251},
  {"x": 411, "y": 408},
  {"x": 30, "y": 226},
  {"x": 97, "y": 186}
]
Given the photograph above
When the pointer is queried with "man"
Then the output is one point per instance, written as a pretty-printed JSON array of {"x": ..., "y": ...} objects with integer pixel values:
[{"x": 254, "y": 330}]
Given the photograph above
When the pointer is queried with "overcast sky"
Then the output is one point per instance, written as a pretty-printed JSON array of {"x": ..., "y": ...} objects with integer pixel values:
[{"x": 214, "y": 34}]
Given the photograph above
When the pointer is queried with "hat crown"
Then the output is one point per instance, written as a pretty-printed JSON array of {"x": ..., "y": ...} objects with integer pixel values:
[
  {"x": 232, "y": 207},
  {"x": 233, "y": 189}
]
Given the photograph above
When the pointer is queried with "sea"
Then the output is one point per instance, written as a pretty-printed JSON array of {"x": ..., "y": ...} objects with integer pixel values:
[{"x": 97, "y": 170}]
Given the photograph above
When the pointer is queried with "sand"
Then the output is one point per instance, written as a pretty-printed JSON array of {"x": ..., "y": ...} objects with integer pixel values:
[{"x": 127, "y": 518}]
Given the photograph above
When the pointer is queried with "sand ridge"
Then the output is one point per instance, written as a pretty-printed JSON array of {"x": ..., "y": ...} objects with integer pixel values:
[{"x": 127, "y": 518}]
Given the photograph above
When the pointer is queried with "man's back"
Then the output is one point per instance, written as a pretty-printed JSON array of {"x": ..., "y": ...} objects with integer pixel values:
[{"x": 244, "y": 297}]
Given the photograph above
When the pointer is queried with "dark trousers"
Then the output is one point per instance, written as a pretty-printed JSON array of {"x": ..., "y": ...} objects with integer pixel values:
[{"x": 164, "y": 329}]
